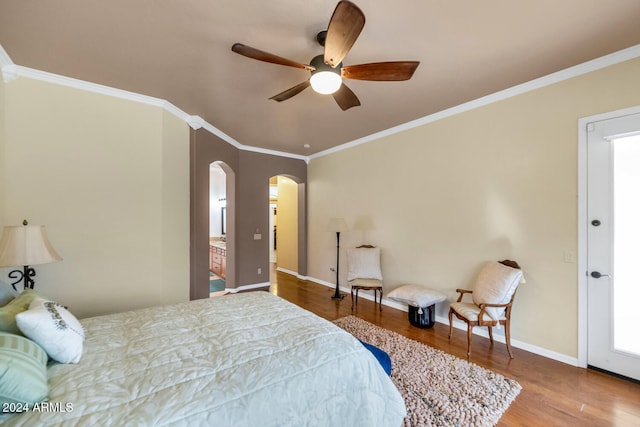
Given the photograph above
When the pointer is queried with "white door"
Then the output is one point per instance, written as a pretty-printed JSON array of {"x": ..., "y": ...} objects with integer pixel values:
[{"x": 613, "y": 239}]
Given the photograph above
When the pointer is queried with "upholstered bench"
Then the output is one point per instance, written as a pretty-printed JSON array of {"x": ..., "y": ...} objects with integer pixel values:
[{"x": 421, "y": 301}]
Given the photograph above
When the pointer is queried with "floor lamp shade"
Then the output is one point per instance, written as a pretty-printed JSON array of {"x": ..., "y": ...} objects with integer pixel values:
[{"x": 337, "y": 225}]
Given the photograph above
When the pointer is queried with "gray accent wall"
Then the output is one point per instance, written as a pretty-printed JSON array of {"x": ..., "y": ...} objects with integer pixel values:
[{"x": 248, "y": 176}]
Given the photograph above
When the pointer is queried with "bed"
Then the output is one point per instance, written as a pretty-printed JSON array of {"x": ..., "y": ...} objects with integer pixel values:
[{"x": 249, "y": 359}]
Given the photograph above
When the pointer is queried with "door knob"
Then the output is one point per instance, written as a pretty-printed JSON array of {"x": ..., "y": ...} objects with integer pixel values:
[{"x": 597, "y": 275}]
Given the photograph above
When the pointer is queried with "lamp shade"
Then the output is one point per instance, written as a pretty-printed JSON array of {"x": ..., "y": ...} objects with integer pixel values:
[
  {"x": 26, "y": 245},
  {"x": 337, "y": 225},
  {"x": 326, "y": 82}
]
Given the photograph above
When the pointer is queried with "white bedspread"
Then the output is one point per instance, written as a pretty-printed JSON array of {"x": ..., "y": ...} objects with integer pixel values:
[{"x": 250, "y": 359}]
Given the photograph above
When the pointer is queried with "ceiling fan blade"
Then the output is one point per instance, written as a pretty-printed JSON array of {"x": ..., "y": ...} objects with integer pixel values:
[
  {"x": 260, "y": 55},
  {"x": 291, "y": 92},
  {"x": 346, "y": 98},
  {"x": 381, "y": 71},
  {"x": 344, "y": 28}
]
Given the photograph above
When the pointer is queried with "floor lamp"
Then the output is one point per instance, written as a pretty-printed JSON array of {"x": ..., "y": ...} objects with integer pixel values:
[{"x": 337, "y": 225}]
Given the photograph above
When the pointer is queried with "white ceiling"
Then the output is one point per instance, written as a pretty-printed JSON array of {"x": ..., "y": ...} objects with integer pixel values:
[{"x": 181, "y": 51}]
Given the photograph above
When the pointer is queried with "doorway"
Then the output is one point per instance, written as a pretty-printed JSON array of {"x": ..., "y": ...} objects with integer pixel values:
[
  {"x": 283, "y": 225},
  {"x": 218, "y": 229},
  {"x": 612, "y": 222}
]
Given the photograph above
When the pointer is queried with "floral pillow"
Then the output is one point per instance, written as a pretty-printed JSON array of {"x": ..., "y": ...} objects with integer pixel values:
[{"x": 54, "y": 328}]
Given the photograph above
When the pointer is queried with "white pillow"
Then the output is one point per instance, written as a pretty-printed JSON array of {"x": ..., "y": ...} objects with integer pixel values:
[
  {"x": 54, "y": 328},
  {"x": 416, "y": 295},
  {"x": 364, "y": 263},
  {"x": 495, "y": 284}
]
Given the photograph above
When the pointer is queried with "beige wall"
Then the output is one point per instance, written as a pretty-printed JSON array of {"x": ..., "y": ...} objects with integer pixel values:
[
  {"x": 287, "y": 224},
  {"x": 496, "y": 182},
  {"x": 110, "y": 180}
]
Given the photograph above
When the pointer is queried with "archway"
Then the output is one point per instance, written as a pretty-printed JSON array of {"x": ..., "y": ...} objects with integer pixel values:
[
  {"x": 287, "y": 226},
  {"x": 221, "y": 235}
]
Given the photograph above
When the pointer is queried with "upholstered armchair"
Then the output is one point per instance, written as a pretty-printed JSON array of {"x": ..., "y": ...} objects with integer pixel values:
[
  {"x": 364, "y": 272},
  {"x": 492, "y": 299}
]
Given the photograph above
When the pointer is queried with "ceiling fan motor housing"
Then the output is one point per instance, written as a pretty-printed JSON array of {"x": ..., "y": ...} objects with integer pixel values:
[
  {"x": 319, "y": 65},
  {"x": 321, "y": 37}
]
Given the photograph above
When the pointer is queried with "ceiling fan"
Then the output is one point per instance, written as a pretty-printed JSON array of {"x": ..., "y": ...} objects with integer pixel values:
[{"x": 327, "y": 70}]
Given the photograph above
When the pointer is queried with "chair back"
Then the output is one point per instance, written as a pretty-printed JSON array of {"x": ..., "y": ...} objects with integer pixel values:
[
  {"x": 496, "y": 284},
  {"x": 510, "y": 263},
  {"x": 363, "y": 262}
]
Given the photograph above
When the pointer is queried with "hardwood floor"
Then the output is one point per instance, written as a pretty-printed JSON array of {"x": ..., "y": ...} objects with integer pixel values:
[{"x": 553, "y": 393}]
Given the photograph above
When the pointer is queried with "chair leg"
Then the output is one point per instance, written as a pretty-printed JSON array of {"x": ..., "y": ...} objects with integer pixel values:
[
  {"x": 469, "y": 341},
  {"x": 490, "y": 333},
  {"x": 507, "y": 338},
  {"x": 351, "y": 299},
  {"x": 450, "y": 323},
  {"x": 380, "y": 299}
]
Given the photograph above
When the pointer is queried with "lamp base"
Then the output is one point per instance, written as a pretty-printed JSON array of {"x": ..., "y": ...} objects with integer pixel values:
[
  {"x": 25, "y": 275},
  {"x": 338, "y": 296}
]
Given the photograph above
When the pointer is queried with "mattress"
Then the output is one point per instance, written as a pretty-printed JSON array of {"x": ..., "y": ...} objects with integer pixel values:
[{"x": 249, "y": 359}]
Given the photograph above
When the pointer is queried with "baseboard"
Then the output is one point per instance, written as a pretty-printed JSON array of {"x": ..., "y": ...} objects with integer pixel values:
[
  {"x": 284, "y": 270},
  {"x": 248, "y": 287},
  {"x": 458, "y": 324},
  {"x": 498, "y": 335}
]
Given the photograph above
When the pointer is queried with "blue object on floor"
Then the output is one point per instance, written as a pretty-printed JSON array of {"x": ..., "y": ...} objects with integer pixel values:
[
  {"x": 216, "y": 285},
  {"x": 381, "y": 356}
]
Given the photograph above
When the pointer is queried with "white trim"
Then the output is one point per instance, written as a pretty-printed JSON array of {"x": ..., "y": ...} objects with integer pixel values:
[
  {"x": 11, "y": 71},
  {"x": 568, "y": 73},
  {"x": 582, "y": 241},
  {"x": 584, "y": 124},
  {"x": 343, "y": 289},
  {"x": 540, "y": 351},
  {"x": 248, "y": 287},
  {"x": 195, "y": 122},
  {"x": 284, "y": 270},
  {"x": 4, "y": 58}
]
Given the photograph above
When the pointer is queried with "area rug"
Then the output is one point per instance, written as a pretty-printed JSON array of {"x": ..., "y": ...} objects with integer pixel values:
[
  {"x": 216, "y": 285},
  {"x": 438, "y": 389}
]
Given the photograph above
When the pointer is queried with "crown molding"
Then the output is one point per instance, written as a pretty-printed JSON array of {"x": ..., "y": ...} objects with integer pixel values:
[
  {"x": 4, "y": 58},
  {"x": 559, "y": 76},
  {"x": 10, "y": 72}
]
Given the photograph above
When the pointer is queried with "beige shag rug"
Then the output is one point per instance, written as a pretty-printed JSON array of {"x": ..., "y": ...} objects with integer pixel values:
[{"x": 438, "y": 389}]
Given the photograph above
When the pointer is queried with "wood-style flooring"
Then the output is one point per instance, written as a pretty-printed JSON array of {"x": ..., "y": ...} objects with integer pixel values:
[{"x": 553, "y": 393}]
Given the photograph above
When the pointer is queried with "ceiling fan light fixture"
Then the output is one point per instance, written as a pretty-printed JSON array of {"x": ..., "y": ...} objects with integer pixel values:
[
  {"x": 326, "y": 82},
  {"x": 324, "y": 79}
]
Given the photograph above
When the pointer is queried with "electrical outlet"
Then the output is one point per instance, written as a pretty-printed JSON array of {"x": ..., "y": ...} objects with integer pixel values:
[
  {"x": 569, "y": 256},
  {"x": 257, "y": 236},
  {"x": 259, "y": 270}
]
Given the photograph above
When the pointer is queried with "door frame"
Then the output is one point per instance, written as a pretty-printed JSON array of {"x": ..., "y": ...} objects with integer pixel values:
[{"x": 583, "y": 129}]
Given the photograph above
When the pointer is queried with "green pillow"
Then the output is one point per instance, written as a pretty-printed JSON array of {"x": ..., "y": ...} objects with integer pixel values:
[
  {"x": 18, "y": 305},
  {"x": 23, "y": 369},
  {"x": 7, "y": 293}
]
